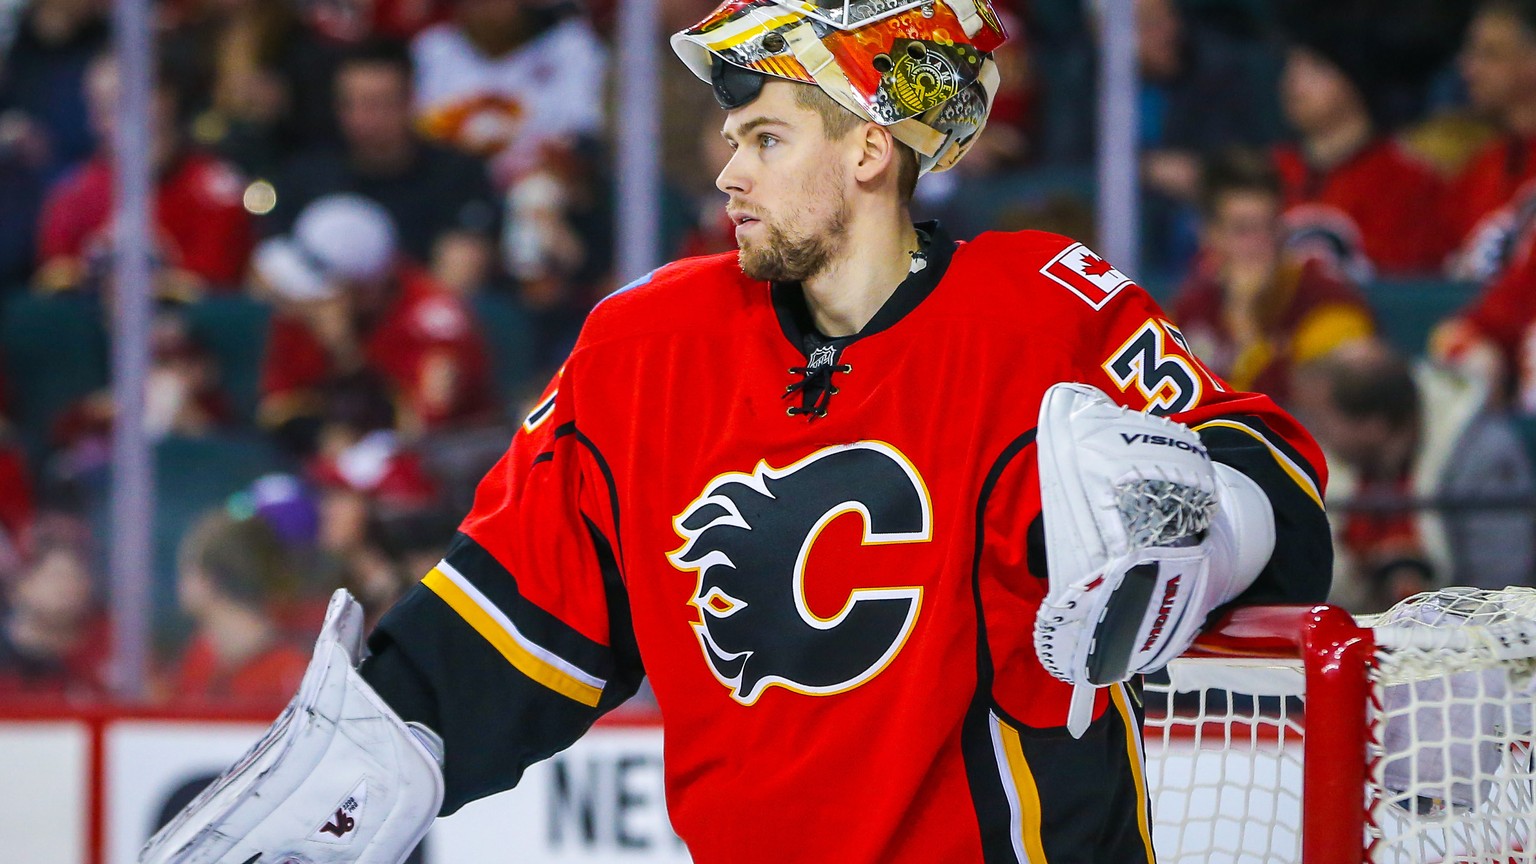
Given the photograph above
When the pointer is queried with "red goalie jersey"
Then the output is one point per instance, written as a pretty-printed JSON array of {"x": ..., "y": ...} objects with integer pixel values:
[{"x": 826, "y": 556}]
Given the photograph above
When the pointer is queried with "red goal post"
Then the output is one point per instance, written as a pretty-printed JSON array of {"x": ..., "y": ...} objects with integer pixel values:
[{"x": 1301, "y": 734}]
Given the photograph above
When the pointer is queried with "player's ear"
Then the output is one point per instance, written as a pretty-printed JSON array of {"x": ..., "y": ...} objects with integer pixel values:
[{"x": 877, "y": 152}]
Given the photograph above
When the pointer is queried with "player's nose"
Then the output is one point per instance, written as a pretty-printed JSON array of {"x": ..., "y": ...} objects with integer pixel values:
[{"x": 732, "y": 177}]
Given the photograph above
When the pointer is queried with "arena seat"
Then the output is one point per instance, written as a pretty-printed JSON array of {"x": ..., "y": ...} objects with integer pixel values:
[
  {"x": 192, "y": 475},
  {"x": 1408, "y": 309},
  {"x": 54, "y": 351},
  {"x": 235, "y": 330},
  {"x": 509, "y": 337}
]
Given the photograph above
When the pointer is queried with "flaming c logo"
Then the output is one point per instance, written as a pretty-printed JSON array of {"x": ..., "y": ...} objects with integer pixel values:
[{"x": 749, "y": 536}]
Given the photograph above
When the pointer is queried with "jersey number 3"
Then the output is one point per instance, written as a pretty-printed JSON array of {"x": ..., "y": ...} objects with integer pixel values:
[{"x": 1166, "y": 378}]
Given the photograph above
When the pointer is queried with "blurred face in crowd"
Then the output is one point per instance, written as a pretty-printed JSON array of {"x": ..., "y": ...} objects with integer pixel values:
[
  {"x": 1158, "y": 35},
  {"x": 59, "y": 14},
  {"x": 1316, "y": 96},
  {"x": 1244, "y": 229},
  {"x": 1371, "y": 445},
  {"x": 195, "y": 593},
  {"x": 373, "y": 103},
  {"x": 493, "y": 25},
  {"x": 343, "y": 520},
  {"x": 103, "y": 90},
  {"x": 50, "y": 603},
  {"x": 1377, "y": 440},
  {"x": 788, "y": 186},
  {"x": 1358, "y": 441},
  {"x": 1498, "y": 62}
]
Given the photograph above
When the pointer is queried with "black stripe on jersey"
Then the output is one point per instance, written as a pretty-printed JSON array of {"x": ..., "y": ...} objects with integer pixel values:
[
  {"x": 993, "y": 815},
  {"x": 569, "y": 428},
  {"x": 564, "y": 429},
  {"x": 613, "y": 498},
  {"x": 1301, "y": 568},
  {"x": 1089, "y": 801},
  {"x": 494, "y": 720},
  {"x": 623, "y": 649},
  {"x": 548, "y": 632},
  {"x": 541, "y": 410},
  {"x": 1278, "y": 441}
]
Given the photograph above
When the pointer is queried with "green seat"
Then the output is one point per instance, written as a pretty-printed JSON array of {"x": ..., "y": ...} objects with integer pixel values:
[
  {"x": 235, "y": 330},
  {"x": 54, "y": 350},
  {"x": 192, "y": 475},
  {"x": 1407, "y": 310},
  {"x": 508, "y": 335}
]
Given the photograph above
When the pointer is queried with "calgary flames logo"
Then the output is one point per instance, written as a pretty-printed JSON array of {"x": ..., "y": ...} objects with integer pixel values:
[{"x": 749, "y": 537}]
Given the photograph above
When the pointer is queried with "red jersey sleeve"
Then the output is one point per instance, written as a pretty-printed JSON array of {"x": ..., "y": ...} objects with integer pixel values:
[{"x": 520, "y": 637}]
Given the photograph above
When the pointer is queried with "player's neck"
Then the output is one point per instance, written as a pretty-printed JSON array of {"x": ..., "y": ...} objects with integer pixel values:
[{"x": 876, "y": 258}]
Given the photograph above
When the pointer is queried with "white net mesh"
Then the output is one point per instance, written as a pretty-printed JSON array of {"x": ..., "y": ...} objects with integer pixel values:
[
  {"x": 1224, "y": 762},
  {"x": 1448, "y": 755}
]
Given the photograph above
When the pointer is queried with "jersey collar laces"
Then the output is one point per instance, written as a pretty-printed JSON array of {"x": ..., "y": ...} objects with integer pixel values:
[
  {"x": 923, "y": 68},
  {"x": 815, "y": 385}
]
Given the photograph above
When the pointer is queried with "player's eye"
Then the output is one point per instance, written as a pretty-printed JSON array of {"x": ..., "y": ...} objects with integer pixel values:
[{"x": 766, "y": 140}]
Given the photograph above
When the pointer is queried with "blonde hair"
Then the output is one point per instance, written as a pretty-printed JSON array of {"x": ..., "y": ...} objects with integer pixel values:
[{"x": 837, "y": 121}]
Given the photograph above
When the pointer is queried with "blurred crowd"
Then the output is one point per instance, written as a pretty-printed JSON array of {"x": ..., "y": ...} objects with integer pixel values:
[{"x": 404, "y": 194}]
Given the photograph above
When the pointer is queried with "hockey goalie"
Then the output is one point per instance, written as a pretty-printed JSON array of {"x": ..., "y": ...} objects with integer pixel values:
[{"x": 891, "y": 523}]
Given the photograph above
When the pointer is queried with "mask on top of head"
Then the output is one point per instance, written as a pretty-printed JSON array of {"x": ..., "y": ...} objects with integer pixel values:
[{"x": 922, "y": 69}]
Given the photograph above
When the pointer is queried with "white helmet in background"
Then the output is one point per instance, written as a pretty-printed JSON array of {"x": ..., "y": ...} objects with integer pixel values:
[{"x": 923, "y": 68}]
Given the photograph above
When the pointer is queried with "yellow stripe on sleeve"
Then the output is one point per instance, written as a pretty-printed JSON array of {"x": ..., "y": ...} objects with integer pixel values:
[
  {"x": 1138, "y": 765},
  {"x": 1030, "y": 820},
  {"x": 1284, "y": 461},
  {"x": 525, "y": 661}
]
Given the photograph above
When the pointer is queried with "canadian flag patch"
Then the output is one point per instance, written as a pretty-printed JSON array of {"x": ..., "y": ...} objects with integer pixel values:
[{"x": 1087, "y": 275}]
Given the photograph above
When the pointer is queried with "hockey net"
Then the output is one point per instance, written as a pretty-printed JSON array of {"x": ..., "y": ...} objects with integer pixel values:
[{"x": 1300, "y": 734}]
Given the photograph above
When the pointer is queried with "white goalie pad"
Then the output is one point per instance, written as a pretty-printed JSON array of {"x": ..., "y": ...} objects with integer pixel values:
[
  {"x": 337, "y": 778},
  {"x": 1128, "y": 501}
]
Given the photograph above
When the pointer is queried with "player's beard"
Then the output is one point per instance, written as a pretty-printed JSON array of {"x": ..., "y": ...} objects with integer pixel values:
[{"x": 788, "y": 255}]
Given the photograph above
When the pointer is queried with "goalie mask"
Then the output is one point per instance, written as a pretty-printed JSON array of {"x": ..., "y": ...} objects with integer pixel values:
[{"x": 922, "y": 68}]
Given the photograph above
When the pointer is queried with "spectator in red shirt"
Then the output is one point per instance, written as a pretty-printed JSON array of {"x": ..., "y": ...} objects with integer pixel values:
[
  {"x": 361, "y": 467},
  {"x": 1493, "y": 340},
  {"x": 1253, "y": 311},
  {"x": 1499, "y": 64},
  {"x": 374, "y": 489},
  {"x": 348, "y": 302},
  {"x": 1345, "y": 170},
  {"x": 202, "y": 230},
  {"x": 16, "y": 503},
  {"x": 231, "y": 574}
]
